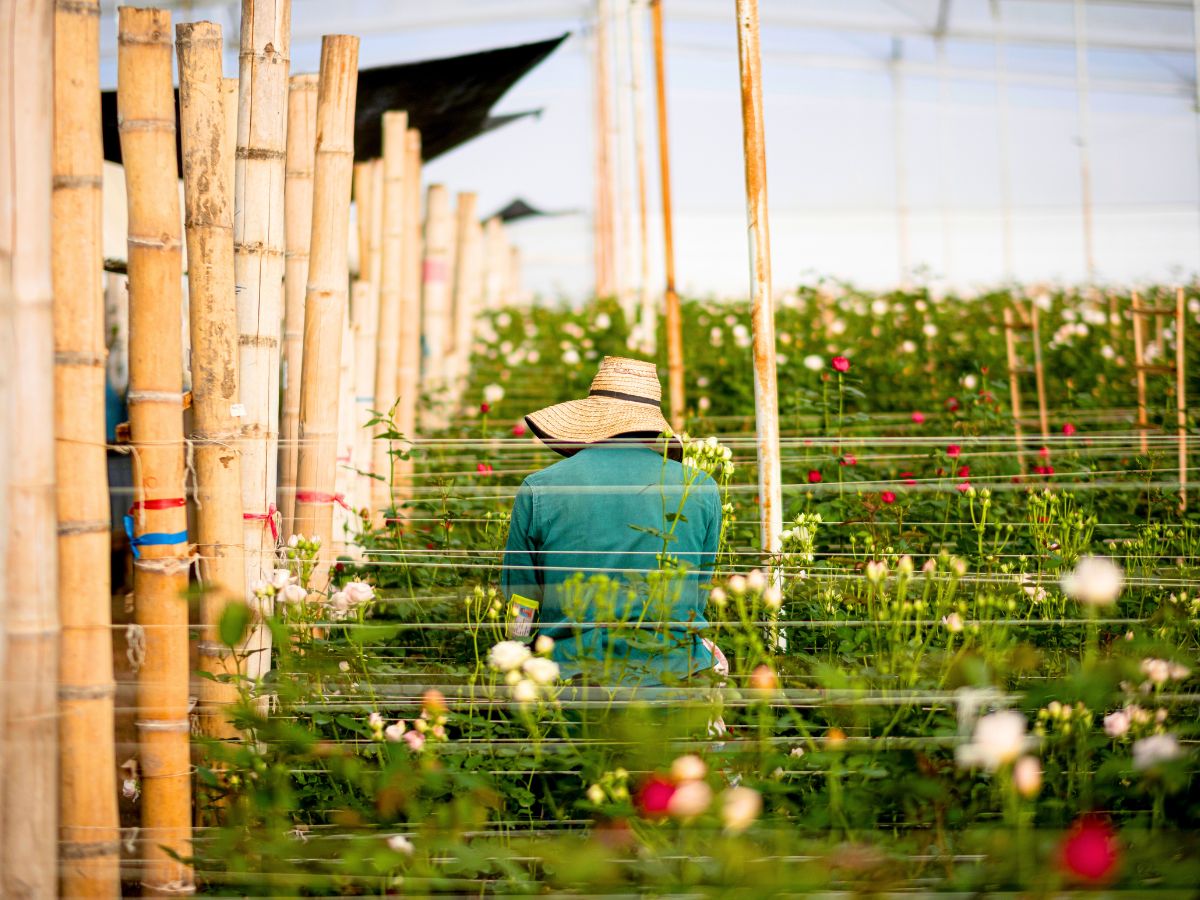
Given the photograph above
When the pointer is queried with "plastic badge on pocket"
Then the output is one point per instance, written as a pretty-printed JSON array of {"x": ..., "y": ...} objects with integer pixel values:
[{"x": 521, "y": 613}]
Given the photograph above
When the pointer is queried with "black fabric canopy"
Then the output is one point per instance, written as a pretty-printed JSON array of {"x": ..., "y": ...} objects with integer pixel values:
[
  {"x": 448, "y": 99},
  {"x": 521, "y": 209}
]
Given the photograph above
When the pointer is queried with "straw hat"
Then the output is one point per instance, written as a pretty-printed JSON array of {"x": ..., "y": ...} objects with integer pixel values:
[{"x": 625, "y": 397}]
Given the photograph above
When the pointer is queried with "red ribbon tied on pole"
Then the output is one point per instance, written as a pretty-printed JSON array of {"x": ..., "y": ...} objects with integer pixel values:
[
  {"x": 270, "y": 517},
  {"x": 323, "y": 497}
]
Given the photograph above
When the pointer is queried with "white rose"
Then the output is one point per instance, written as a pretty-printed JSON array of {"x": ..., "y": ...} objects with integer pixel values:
[
  {"x": 999, "y": 739},
  {"x": 400, "y": 844},
  {"x": 1158, "y": 748},
  {"x": 1117, "y": 724},
  {"x": 1157, "y": 670},
  {"x": 525, "y": 691},
  {"x": 690, "y": 799},
  {"x": 756, "y": 581},
  {"x": 953, "y": 622},
  {"x": 394, "y": 732},
  {"x": 543, "y": 644},
  {"x": 1027, "y": 776},
  {"x": 1096, "y": 581},
  {"x": 773, "y": 597},
  {"x": 541, "y": 670},
  {"x": 293, "y": 593},
  {"x": 281, "y": 579},
  {"x": 359, "y": 592},
  {"x": 508, "y": 655},
  {"x": 339, "y": 605},
  {"x": 814, "y": 363},
  {"x": 689, "y": 767},
  {"x": 740, "y": 806},
  {"x": 493, "y": 394}
]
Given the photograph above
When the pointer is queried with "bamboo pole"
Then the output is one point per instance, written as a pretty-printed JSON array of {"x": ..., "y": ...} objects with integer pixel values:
[
  {"x": 1181, "y": 394},
  {"x": 301, "y": 139},
  {"x": 364, "y": 318},
  {"x": 208, "y": 172},
  {"x": 516, "y": 278},
  {"x": 8, "y": 405},
  {"x": 29, "y": 817},
  {"x": 466, "y": 281},
  {"x": 622, "y": 126},
  {"x": 146, "y": 110},
  {"x": 391, "y": 291},
  {"x": 435, "y": 297},
  {"x": 345, "y": 483},
  {"x": 88, "y": 801},
  {"x": 762, "y": 316},
  {"x": 408, "y": 372},
  {"x": 1139, "y": 366},
  {"x": 674, "y": 323},
  {"x": 258, "y": 242},
  {"x": 493, "y": 263},
  {"x": 637, "y": 51},
  {"x": 326, "y": 297},
  {"x": 602, "y": 215},
  {"x": 1014, "y": 383}
]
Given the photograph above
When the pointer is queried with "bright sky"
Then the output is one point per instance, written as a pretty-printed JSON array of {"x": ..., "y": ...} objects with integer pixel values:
[{"x": 832, "y": 126}]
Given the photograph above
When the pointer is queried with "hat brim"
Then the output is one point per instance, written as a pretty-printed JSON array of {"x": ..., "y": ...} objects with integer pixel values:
[{"x": 570, "y": 426}]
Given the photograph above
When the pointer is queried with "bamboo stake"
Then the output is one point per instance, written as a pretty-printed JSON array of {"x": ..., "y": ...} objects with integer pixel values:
[
  {"x": 1039, "y": 371},
  {"x": 649, "y": 315},
  {"x": 515, "y": 282},
  {"x": 622, "y": 126},
  {"x": 258, "y": 241},
  {"x": 8, "y": 405},
  {"x": 494, "y": 263},
  {"x": 364, "y": 317},
  {"x": 409, "y": 366},
  {"x": 766, "y": 401},
  {"x": 1181, "y": 394},
  {"x": 675, "y": 382},
  {"x": 602, "y": 215},
  {"x": 345, "y": 483},
  {"x": 29, "y": 817},
  {"x": 301, "y": 139},
  {"x": 146, "y": 112},
  {"x": 326, "y": 297},
  {"x": 1014, "y": 383},
  {"x": 466, "y": 263},
  {"x": 391, "y": 292},
  {"x": 208, "y": 171},
  {"x": 88, "y": 801},
  {"x": 435, "y": 297},
  {"x": 1139, "y": 365}
]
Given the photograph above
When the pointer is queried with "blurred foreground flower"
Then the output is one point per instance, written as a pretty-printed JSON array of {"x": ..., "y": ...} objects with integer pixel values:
[
  {"x": 1096, "y": 581},
  {"x": 1090, "y": 851},
  {"x": 1149, "y": 752},
  {"x": 999, "y": 738},
  {"x": 740, "y": 806}
]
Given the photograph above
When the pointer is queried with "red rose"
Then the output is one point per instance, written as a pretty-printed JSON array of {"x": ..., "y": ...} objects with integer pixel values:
[
  {"x": 918, "y": 417},
  {"x": 964, "y": 471},
  {"x": 953, "y": 451},
  {"x": 952, "y": 403},
  {"x": 484, "y": 408},
  {"x": 484, "y": 468},
  {"x": 1044, "y": 453},
  {"x": 654, "y": 796},
  {"x": 964, "y": 487},
  {"x": 518, "y": 429},
  {"x": 908, "y": 478},
  {"x": 1090, "y": 851},
  {"x": 840, "y": 364},
  {"x": 814, "y": 477},
  {"x": 848, "y": 460},
  {"x": 1068, "y": 429},
  {"x": 887, "y": 497}
]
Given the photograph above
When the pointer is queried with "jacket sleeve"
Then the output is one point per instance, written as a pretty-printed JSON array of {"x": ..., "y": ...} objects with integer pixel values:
[
  {"x": 712, "y": 533},
  {"x": 520, "y": 570}
]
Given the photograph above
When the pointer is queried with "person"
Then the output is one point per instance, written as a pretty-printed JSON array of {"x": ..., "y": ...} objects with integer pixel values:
[{"x": 616, "y": 541}]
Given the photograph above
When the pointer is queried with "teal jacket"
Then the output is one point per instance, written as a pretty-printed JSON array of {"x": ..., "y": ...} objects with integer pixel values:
[{"x": 585, "y": 541}]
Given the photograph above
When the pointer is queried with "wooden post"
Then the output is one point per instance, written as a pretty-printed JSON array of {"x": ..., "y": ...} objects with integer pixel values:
[
  {"x": 602, "y": 214},
  {"x": 466, "y": 286},
  {"x": 326, "y": 298},
  {"x": 364, "y": 323},
  {"x": 762, "y": 316},
  {"x": 1014, "y": 383},
  {"x": 391, "y": 202},
  {"x": 258, "y": 241},
  {"x": 1181, "y": 394},
  {"x": 674, "y": 323},
  {"x": 208, "y": 171},
  {"x": 88, "y": 799},
  {"x": 1139, "y": 366},
  {"x": 29, "y": 817},
  {"x": 408, "y": 370},
  {"x": 146, "y": 110},
  {"x": 301, "y": 140},
  {"x": 435, "y": 297}
]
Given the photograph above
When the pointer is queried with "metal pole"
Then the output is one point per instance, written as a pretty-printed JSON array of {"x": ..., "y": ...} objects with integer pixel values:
[
  {"x": 1003, "y": 136},
  {"x": 902, "y": 211},
  {"x": 762, "y": 316},
  {"x": 1085, "y": 127},
  {"x": 674, "y": 317},
  {"x": 648, "y": 315}
]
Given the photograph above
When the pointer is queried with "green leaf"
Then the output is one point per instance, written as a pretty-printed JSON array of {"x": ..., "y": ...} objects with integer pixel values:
[{"x": 235, "y": 621}]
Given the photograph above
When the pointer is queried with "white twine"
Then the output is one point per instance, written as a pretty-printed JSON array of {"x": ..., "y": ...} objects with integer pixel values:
[{"x": 135, "y": 639}]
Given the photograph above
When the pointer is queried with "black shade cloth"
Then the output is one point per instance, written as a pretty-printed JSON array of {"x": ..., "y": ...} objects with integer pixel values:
[
  {"x": 521, "y": 209},
  {"x": 448, "y": 99}
]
